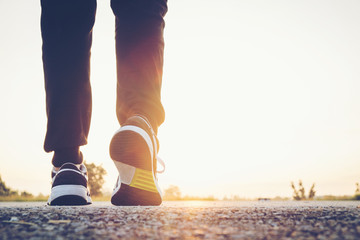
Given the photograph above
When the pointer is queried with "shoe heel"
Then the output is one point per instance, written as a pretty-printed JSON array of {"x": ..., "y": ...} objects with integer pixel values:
[
  {"x": 69, "y": 200},
  {"x": 137, "y": 187},
  {"x": 143, "y": 180},
  {"x": 130, "y": 145},
  {"x": 69, "y": 195}
]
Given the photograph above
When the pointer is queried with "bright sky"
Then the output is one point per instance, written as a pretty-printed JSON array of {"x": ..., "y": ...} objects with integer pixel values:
[{"x": 257, "y": 94}]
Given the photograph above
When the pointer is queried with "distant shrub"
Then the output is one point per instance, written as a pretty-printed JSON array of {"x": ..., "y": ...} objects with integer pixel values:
[
  {"x": 299, "y": 194},
  {"x": 357, "y": 192},
  {"x": 4, "y": 190},
  {"x": 96, "y": 179},
  {"x": 173, "y": 193},
  {"x": 357, "y": 197},
  {"x": 8, "y": 194}
]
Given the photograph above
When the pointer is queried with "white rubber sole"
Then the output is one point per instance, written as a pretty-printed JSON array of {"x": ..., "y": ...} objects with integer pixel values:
[{"x": 69, "y": 190}]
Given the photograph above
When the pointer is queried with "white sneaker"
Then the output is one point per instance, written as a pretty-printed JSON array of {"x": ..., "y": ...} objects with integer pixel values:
[
  {"x": 134, "y": 149},
  {"x": 69, "y": 186}
]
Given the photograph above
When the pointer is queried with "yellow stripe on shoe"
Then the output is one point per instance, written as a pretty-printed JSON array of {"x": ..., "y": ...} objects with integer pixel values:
[{"x": 143, "y": 180}]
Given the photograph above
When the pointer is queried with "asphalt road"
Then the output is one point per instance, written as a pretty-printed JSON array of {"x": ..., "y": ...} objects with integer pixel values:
[{"x": 183, "y": 220}]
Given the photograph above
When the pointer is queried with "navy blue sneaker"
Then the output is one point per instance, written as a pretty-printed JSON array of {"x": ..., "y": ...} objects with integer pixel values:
[
  {"x": 134, "y": 149},
  {"x": 69, "y": 186}
]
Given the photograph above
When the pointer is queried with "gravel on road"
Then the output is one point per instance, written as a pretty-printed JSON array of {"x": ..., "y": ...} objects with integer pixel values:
[{"x": 183, "y": 220}]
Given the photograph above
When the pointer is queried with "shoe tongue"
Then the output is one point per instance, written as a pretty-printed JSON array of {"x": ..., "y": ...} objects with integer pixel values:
[{"x": 69, "y": 166}]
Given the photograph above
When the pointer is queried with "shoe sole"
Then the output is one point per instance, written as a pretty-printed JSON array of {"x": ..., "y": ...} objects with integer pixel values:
[
  {"x": 69, "y": 200},
  {"x": 69, "y": 195},
  {"x": 130, "y": 153}
]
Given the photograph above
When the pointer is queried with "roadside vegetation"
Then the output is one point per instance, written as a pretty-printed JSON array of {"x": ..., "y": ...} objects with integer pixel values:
[
  {"x": 299, "y": 193},
  {"x": 172, "y": 193},
  {"x": 96, "y": 180},
  {"x": 10, "y": 195}
]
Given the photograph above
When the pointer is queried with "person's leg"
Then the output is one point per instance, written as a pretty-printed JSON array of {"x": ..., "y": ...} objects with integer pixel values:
[
  {"x": 66, "y": 27},
  {"x": 139, "y": 55}
]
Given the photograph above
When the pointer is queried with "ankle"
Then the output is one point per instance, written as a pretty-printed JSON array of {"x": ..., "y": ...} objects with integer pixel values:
[
  {"x": 58, "y": 168},
  {"x": 64, "y": 155}
]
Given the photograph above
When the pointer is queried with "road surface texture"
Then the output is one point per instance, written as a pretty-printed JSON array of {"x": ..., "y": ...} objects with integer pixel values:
[{"x": 183, "y": 220}]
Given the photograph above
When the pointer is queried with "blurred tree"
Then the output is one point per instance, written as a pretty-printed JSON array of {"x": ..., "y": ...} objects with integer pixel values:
[
  {"x": 95, "y": 178},
  {"x": 172, "y": 193},
  {"x": 26, "y": 194},
  {"x": 296, "y": 195},
  {"x": 312, "y": 192},
  {"x": 300, "y": 193},
  {"x": 357, "y": 192},
  {"x": 302, "y": 190},
  {"x": 4, "y": 190}
]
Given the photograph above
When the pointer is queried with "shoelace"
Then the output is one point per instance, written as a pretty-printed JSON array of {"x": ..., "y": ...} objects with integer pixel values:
[
  {"x": 162, "y": 163},
  {"x": 159, "y": 160}
]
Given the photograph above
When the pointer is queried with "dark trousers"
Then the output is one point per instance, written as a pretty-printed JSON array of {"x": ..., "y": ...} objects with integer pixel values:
[{"x": 66, "y": 27}]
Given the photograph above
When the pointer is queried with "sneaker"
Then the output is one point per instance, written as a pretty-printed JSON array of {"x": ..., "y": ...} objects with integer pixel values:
[
  {"x": 69, "y": 186},
  {"x": 134, "y": 149}
]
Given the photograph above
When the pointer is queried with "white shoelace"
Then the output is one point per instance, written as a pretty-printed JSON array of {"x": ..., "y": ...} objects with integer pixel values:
[
  {"x": 159, "y": 160},
  {"x": 162, "y": 163}
]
